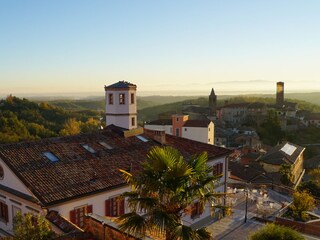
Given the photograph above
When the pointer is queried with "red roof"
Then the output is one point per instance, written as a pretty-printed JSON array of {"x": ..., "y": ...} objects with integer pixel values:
[
  {"x": 79, "y": 172},
  {"x": 197, "y": 123}
]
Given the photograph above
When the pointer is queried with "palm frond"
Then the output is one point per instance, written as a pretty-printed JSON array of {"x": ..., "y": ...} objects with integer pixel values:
[
  {"x": 133, "y": 223},
  {"x": 202, "y": 234},
  {"x": 128, "y": 177},
  {"x": 162, "y": 219}
]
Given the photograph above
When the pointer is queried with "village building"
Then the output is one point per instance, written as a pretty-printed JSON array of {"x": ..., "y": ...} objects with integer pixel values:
[
  {"x": 66, "y": 178},
  {"x": 181, "y": 126},
  {"x": 285, "y": 154}
]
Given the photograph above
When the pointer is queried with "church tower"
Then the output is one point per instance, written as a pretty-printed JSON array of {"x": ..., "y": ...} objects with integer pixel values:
[
  {"x": 121, "y": 105},
  {"x": 213, "y": 103}
]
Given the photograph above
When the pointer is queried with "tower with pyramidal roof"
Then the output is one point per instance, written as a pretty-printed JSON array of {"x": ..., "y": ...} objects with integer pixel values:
[{"x": 121, "y": 105}]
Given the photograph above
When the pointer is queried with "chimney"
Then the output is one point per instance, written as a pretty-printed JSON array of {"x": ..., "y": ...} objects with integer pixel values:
[{"x": 159, "y": 136}]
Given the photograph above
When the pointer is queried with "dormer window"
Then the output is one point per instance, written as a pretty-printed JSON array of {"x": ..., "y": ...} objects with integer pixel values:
[
  {"x": 121, "y": 98},
  {"x": 88, "y": 148}
]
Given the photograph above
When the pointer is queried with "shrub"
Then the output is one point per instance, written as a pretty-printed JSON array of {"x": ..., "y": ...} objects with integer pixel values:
[{"x": 275, "y": 232}]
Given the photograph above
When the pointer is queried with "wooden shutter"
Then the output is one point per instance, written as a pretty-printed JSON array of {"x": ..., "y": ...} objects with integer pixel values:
[
  {"x": 215, "y": 169},
  {"x": 221, "y": 168},
  {"x": 73, "y": 216},
  {"x": 6, "y": 217},
  {"x": 121, "y": 211},
  {"x": 89, "y": 209},
  {"x": 194, "y": 209},
  {"x": 107, "y": 204}
]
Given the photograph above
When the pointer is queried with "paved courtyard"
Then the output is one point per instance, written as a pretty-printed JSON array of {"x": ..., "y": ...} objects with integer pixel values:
[{"x": 233, "y": 227}]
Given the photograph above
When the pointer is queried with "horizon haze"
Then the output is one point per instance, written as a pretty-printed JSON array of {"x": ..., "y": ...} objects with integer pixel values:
[{"x": 167, "y": 46}]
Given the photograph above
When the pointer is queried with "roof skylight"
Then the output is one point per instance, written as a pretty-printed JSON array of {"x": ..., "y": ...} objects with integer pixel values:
[
  {"x": 51, "y": 156},
  {"x": 88, "y": 148},
  {"x": 143, "y": 139},
  {"x": 288, "y": 149},
  {"x": 106, "y": 145}
]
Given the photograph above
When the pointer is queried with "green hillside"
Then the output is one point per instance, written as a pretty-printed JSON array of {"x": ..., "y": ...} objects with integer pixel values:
[{"x": 21, "y": 120}]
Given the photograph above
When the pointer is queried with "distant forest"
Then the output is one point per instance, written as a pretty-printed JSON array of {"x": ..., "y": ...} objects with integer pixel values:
[{"x": 21, "y": 119}]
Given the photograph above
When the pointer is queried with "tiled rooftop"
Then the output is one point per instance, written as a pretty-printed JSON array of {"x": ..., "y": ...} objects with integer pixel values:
[
  {"x": 79, "y": 172},
  {"x": 121, "y": 84},
  {"x": 66, "y": 226},
  {"x": 197, "y": 123},
  {"x": 277, "y": 156}
]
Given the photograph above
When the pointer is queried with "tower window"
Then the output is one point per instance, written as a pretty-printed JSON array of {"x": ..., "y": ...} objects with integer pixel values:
[
  {"x": 121, "y": 98},
  {"x": 132, "y": 98},
  {"x": 133, "y": 121},
  {"x": 110, "y": 98}
]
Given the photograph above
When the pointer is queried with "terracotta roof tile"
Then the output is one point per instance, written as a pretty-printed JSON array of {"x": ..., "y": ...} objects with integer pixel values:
[
  {"x": 197, "y": 123},
  {"x": 78, "y": 172}
]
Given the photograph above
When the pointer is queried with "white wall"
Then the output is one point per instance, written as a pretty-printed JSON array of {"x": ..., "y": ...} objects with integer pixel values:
[
  {"x": 12, "y": 181},
  {"x": 125, "y": 111},
  {"x": 24, "y": 206},
  {"x": 200, "y": 134}
]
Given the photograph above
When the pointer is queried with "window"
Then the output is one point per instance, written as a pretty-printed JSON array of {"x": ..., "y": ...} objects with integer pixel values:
[
  {"x": 121, "y": 98},
  {"x": 78, "y": 214},
  {"x": 110, "y": 98},
  {"x": 114, "y": 207},
  {"x": 218, "y": 169},
  {"x": 177, "y": 119},
  {"x": 15, "y": 210},
  {"x": 132, "y": 98},
  {"x": 196, "y": 209},
  {"x": 88, "y": 148},
  {"x": 185, "y": 129},
  {"x": 1, "y": 172},
  {"x": 133, "y": 121},
  {"x": 177, "y": 132},
  {"x": 3, "y": 212},
  {"x": 51, "y": 156}
]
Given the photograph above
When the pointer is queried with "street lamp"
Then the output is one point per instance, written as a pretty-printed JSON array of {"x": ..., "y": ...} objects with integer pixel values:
[{"x": 246, "y": 211}]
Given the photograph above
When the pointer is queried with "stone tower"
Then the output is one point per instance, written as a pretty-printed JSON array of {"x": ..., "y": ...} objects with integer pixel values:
[
  {"x": 280, "y": 94},
  {"x": 212, "y": 102},
  {"x": 121, "y": 105}
]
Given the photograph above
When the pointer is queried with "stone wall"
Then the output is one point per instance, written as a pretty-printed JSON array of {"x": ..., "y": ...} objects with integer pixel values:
[
  {"x": 310, "y": 227},
  {"x": 104, "y": 229}
]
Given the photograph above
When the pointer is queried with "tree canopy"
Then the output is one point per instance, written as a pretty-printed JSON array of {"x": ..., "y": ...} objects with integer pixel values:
[
  {"x": 22, "y": 120},
  {"x": 31, "y": 227},
  {"x": 273, "y": 231},
  {"x": 168, "y": 188}
]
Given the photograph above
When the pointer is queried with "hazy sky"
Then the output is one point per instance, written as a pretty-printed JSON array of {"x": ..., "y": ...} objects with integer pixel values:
[{"x": 80, "y": 46}]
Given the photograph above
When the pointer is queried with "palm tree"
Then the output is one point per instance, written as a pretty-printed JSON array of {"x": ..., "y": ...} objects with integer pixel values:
[{"x": 165, "y": 190}]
